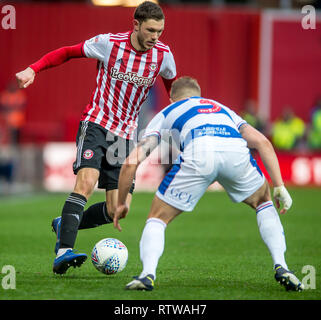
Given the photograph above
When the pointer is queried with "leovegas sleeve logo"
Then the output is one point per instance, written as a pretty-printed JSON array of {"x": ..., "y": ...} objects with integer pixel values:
[{"x": 214, "y": 108}]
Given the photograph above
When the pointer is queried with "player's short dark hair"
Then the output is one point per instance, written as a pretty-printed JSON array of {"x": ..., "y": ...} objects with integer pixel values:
[
  {"x": 183, "y": 85},
  {"x": 148, "y": 10}
]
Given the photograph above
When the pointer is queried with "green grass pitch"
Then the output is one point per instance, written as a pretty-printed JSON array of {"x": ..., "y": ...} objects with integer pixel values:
[{"x": 213, "y": 253}]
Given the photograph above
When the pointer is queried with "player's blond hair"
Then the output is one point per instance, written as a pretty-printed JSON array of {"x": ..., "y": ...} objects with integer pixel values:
[{"x": 184, "y": 87}]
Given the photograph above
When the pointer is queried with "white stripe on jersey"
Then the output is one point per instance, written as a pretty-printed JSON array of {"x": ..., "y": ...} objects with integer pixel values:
[
  {"x": 144, "y": 93},
  {"x": 162, "y": 45},
  {"x": 103, "y": 85},
  {"x": 133, "y": 94},
  {"x": 112, "y": 88},
  {"x": 100, "y": 70},
  {"x": 123, "y": 89}
]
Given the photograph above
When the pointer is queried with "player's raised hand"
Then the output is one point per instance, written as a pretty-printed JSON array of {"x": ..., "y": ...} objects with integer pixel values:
[
  {"x": 120, "y": 213},
  {"x": 25, "y": 77},
  {"x": 280, "y": 194}
]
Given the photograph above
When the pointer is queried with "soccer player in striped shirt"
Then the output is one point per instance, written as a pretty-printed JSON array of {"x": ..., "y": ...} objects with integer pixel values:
[
  {"x": 214, "y": 143},
  {"x": 127, "y": 66}
]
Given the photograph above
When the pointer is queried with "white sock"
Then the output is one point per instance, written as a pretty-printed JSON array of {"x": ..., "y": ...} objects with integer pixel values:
[
  {"x": 272, "y": 232},
  {"x": 62, "y": 251},
  {"x": 152, "y": 245}
]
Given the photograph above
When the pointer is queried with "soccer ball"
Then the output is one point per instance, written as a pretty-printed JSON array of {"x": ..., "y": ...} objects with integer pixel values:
[{"x": 109, "y": 256}]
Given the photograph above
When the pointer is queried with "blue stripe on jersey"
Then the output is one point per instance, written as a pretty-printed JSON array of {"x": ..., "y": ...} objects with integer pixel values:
[
  {"x": 212, "y": 130},
  {"x": 172, "y": 107},
  {"x": 170, "y": 176},
  {"x": 180, "y": 121},
  {"x": 254, "y": 164},
  {"x": 240, "y": 125}
]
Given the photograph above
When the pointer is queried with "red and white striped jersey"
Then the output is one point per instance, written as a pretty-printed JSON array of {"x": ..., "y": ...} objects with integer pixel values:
[{"x": 124, "y": 77}]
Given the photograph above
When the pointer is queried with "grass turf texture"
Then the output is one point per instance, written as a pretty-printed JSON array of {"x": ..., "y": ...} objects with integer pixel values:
[{"x": 213, "y": 253}]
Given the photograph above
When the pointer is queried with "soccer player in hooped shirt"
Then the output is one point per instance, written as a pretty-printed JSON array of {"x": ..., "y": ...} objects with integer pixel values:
[
  {"x": 128, "y": 64},
  {"x": 214, "y": 143}
]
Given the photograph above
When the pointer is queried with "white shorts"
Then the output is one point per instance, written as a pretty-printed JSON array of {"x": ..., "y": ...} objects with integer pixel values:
[{"x": 190, "y": 177}]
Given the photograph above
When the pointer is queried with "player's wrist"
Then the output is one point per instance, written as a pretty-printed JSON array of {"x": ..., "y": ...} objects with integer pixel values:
[
  {"x": 33, "y": 69},
  {"x": 279, "y": 185}
]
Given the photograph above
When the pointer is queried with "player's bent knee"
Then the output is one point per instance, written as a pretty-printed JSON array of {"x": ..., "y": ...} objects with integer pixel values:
[
  {"x": 85, "y": 186},
  {"x": 86, "y": 181},
  {"x": 163, "y": 211},
  {"x": 260, "y": 196},
  {"x": 159, "y": 215},
  {"x": 84, "y": 190}
]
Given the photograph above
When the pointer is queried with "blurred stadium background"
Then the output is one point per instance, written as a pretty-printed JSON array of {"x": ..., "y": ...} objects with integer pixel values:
[{"x": 253, "y": 55}]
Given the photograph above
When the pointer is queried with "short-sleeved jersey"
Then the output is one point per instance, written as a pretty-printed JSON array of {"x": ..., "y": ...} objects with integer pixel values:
[
  {"x": 196, "y": 118},
  {"x": 124, "y": 78}
]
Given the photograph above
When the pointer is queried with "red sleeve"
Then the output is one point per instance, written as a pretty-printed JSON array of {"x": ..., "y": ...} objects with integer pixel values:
[
  {"x": 168, "y": 84},
  {"x": 57, "y": 57}
]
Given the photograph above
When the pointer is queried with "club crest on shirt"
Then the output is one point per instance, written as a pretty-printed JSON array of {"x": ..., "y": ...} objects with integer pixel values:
[
  {"x": 88, "y": 154},
  {"x": 153, "y": 66}
]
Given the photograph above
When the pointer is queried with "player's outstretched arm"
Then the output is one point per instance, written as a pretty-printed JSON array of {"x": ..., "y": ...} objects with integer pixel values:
[
  {"x": 51, "y": 59},
  {"x": 256, "y": 140}
]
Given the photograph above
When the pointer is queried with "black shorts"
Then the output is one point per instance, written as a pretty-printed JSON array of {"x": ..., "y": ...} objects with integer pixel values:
[{"x": 100, "y": 149}]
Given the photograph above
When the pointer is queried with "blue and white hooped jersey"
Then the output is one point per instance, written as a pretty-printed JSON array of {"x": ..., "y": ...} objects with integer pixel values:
[{"x": 195, "y": 119}]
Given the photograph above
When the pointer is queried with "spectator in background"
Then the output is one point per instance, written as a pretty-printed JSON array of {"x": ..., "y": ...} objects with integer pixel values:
[
  {"x": 251, "y": 117},
  {"x": 314, "y": 134},
  {"x": 6, "y": 163},
  {"x": 6, "y": 174},
  {"x": 12, "y": 108},
  {"x": 289, "y": 131}
]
